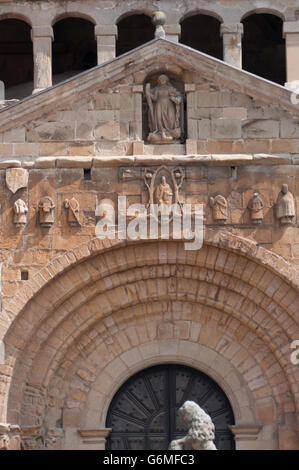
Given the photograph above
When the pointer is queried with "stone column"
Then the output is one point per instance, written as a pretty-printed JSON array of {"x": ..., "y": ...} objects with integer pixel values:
[
  {"x": 291, "y": 35},
  {"x": 192, "y": 134},
  {"x": 93, "y": 439},
  {"x": 106, "y": 41},
  {"x": 42, "y": 37},
  {"x": 172, "y": 32},
  {"x": 232, "y": 43},
  {"x": 138, "y": 92}
]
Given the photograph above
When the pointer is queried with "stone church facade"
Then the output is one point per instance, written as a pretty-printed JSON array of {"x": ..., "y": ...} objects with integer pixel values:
[{"x": 101, "y": 339}]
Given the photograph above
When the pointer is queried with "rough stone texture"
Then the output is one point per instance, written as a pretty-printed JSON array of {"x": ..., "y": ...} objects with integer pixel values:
[{"x": 91, "y": 312}]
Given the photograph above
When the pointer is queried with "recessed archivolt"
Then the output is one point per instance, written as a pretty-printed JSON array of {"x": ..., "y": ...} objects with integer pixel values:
[
  {"x": 78, "y": 329},
  {"x": 223, "y": 270}
]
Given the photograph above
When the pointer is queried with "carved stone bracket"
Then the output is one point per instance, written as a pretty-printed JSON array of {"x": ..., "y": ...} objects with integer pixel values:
[{"x": 94, "y": 439}]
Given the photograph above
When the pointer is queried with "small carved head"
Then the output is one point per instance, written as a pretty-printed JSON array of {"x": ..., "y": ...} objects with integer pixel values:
[{"x": 163, "y": 80}]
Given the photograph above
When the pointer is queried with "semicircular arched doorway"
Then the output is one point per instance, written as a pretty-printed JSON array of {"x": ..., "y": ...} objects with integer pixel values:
[{"x": 143, "y": 413}]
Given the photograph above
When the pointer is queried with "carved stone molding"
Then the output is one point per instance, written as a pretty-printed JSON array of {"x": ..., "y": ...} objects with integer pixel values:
[{"x": 94, "y": 438}]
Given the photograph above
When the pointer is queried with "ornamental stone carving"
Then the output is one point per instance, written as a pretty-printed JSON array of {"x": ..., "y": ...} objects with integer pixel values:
[
  {"x": 256, "y": 208},
  {"x": 201, "y": 431},
  {"x": 16, "y": 178},
  {"x": 165, "y": 112},
  {"x": 46, "y": 211},
  {"x": 20, "y": 213},
  {"x": 285, "y": 206},
  {"x": 220, "y": 208},
  {"x": 73, "y": 211},
  {"x": 164, "y": 185}
]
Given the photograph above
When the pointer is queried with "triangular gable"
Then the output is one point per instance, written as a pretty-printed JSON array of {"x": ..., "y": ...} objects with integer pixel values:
[{"x": 159, "y": 54}]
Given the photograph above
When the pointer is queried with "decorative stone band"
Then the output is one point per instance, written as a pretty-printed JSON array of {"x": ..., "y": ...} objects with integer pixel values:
[
  {"x": 94, "y": 438},
  {"x": 141, "y": 160}
]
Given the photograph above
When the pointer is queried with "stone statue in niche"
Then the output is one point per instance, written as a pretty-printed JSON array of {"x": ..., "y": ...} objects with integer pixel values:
[
  {"x": 201, "y": 433},
  {"x": 73, "y": 214},
  {"x": 220, "y": 208},
  {"x": 46, "y": 211},
  {"x": 164, "y": 185},
  {"x": 20, "y": 213},
  {"x": 285, "y": 206},
  {"x": 165, "y": 112},
  {"x": 256, "y": 208}
]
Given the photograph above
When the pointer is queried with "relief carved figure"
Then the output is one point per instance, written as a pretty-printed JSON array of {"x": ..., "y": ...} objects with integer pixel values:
[
  {"x": 20, "y": 213},
  {"x": 46, "y": 211},
  {"x": 220, "y": 208},
  {"x": 285, "y": 206},
  {"x": 201, "y": 431},
  {"x": 165, "y": 112},
  {"x": 73, "y": 208},
  {"x": 164, "y": 193},
  {"x": 256, "y": 207}
]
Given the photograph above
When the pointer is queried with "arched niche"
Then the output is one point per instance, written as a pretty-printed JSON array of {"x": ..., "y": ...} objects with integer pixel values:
[
  {"x": 202, "y": 32},
  {"x": 16, "y": 58},
  {"x": 263, "y": 47},
  {"x": 133, "y": 31},
  {"x": 74, "y": 47}
]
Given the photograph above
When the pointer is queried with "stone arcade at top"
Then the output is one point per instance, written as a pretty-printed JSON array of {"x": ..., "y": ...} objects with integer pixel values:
[{"x": 102, "y": 340}]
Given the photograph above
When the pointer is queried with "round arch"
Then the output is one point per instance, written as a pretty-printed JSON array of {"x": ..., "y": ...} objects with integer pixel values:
[
  {"x": 201, "y": 11},
  {"x": 73, "y": 14},
  {"x": 16, "y": 16},
  {"x": 99, "y": 282},
  {"x": 258, "y": 11},
  {"x": 149, "y": 400}
]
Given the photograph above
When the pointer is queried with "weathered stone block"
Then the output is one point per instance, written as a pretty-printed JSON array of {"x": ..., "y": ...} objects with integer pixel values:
[
  {"x": 107, "y": 131},
  {"x": 262, "y": 129},
  {"x": 289, "y": 129},
  {"x": 204, "y": 129},
  {"x": 226, "y": 129},
  {"x": 213, "y": 99}
]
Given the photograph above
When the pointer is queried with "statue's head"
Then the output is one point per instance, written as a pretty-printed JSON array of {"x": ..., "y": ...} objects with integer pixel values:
[
  {"x": 201, "y": 425},
  {"x": 163, "y": 80},
  {"x": 163, "y": 179},
  {"x": 284, "y": 188}
]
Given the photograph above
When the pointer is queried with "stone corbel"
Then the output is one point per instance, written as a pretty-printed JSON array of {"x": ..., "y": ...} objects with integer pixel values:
[{"x": 94, "y": 439}]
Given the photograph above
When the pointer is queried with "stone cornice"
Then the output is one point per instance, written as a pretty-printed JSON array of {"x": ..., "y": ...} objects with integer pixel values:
[
  {"x": 144, "y": 160},
  {"x": 158, "y": 50}
]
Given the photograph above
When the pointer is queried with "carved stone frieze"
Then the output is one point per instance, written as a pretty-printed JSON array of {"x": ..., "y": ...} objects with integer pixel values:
[
  {"x": 20, "y": 213},
  {"x": 46, "y": 211},
  {"x": 285, "y": 209},
  {"x": 256, "y": 208}
]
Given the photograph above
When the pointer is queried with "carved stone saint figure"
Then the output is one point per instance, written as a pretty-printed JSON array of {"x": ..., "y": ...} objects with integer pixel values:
[
  {"x": 285, "y": 206},
  {"x": 256, "y": 208},
  {"x": 73, "y": 216},
  {"x": 164, "y": 193},
  {"x": 220, "y": 210},
  {"x": 165, "y": 115},
  {"x": 201, "y": 431},
  {"x": 20, "y": 213},
  {"x": 46, "y": 211}
]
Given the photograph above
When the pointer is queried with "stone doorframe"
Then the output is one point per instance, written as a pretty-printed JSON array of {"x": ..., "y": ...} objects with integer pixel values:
[{"x": 248, "y": 432}]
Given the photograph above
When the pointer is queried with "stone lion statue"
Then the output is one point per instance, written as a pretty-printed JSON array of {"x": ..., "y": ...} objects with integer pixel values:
[{"x": 201, "y": 432}]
